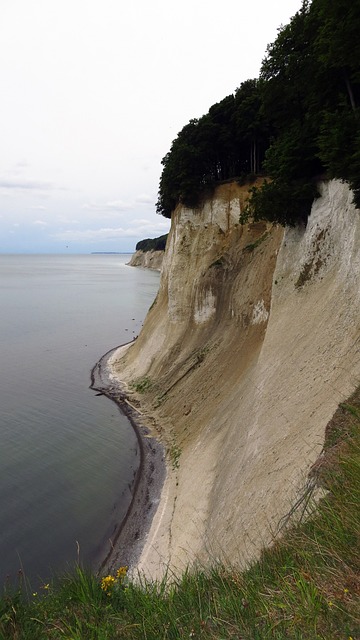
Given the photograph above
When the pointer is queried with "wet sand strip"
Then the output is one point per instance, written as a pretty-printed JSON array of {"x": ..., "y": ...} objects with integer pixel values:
[{"x": 128, "y": 540}]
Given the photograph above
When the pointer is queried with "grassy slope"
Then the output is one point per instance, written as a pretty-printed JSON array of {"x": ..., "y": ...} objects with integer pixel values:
[{"x": 306, "y": 586}]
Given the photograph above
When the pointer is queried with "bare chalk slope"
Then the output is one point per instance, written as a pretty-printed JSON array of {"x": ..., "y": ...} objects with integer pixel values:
[{"x": 252, "y": 342}]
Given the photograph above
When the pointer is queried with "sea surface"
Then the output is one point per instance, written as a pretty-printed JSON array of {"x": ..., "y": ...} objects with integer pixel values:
[{"x": 67, "y": 456}]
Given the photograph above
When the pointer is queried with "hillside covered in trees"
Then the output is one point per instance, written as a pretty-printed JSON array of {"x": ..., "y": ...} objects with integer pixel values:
[
  {"x": 299, "y": 120},
  {"x": 152, "y": 244}
]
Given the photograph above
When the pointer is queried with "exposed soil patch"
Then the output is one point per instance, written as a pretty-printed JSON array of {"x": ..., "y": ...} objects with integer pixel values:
[{"x": 313, "y": 266}]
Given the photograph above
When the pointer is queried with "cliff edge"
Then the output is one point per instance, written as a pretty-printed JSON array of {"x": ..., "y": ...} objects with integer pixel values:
[{"x": 252, "y": 342}]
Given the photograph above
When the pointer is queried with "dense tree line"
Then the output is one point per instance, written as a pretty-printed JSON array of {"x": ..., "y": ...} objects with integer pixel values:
[
  {"x": 299, "y": 120},
  {"x": 152, "y": 244}
]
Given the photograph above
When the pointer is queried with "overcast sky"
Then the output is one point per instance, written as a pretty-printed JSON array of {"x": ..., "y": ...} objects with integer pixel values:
[{"x": 92, "y": 94}]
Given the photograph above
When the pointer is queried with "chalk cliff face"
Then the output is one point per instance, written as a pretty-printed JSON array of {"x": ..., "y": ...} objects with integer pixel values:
[
  {"x": 252, "y": 342},
  {"x": 147, "y": 259}
]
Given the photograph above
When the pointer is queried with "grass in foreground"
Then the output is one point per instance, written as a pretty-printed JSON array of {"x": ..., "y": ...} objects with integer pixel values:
[{"x": 306, "y": 586}]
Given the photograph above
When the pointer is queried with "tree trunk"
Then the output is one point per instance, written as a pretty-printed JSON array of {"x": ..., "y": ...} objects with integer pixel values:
[
  {"x": 350, "y": 91},
  {"x": 254, "y": 160}
]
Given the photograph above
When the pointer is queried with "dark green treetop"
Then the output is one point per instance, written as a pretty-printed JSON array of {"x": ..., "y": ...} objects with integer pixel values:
[
  {"x": 152, "y": 244},
  {"x": 298, "y": 121}
]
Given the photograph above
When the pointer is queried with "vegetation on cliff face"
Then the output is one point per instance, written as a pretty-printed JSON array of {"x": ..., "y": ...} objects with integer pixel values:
[
  {"x": 298, "y": 120},
  {"x": 306, "y": 586},
  {"x": 152, "y": 244}
]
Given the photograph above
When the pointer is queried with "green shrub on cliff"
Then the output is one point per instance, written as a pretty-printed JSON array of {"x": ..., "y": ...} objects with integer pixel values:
[{"x": 287, "y": 203}]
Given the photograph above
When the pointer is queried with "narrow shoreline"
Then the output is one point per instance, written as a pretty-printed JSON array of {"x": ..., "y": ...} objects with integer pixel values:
[{"x": 127, "y": 542}]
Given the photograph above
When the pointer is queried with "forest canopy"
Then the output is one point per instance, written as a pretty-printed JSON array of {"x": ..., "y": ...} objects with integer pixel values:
[
  {"x": 298, "y": 121},
  {"x": 152, "y": 244}
]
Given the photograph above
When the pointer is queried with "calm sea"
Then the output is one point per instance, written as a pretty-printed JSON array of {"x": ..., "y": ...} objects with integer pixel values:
[{"x": 67, "y": 456}]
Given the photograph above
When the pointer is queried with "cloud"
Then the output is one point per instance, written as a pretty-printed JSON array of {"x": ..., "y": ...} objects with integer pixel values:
[
  {"x": 115, "y": 205},
  {"x": 39, "y": 207},
  {"x": 143, "y": 228},
  {"x": 120, "y": 205},
  {"x": 15, "y": 171},
  {"x": 144, "y": 222},
  {"x": 16, "y": 168},
  {"x": 65, "y": 220},
  {"x": 20, "y": 185},
  {"x": 144, "y": 199},
  {"x": 40, "y": 223}
]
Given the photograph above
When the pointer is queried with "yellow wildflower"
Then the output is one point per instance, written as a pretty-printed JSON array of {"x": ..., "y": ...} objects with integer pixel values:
[
  {"x": 121, "y": 573},
  {"x": 46, "y": 586},
  {"x": 107, "y": 583}
]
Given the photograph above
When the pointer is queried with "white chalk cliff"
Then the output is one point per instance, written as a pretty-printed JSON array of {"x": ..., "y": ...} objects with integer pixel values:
[
  {"x": 147, "y": 260},
  {"x": 252, "y": 342}
]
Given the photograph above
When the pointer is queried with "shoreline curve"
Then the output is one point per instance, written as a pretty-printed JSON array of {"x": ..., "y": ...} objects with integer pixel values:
[{"x": 127, "y": 542}]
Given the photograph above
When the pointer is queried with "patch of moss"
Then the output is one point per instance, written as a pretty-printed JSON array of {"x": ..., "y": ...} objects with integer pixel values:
[
  {"x": 141, "y": 385},
  {"x": 257, "y": 243}
]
